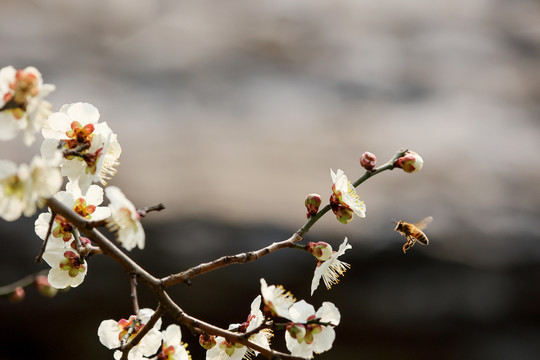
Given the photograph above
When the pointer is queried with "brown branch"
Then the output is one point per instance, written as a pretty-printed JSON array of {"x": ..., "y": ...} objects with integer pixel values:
[
  {"x": 203, "y": 327},
  {"x": 156, "y": 285},
  {"x": 12, "y": 104},
  {"x": 88, "y": 250},
  {"x": 77, "y": 240},
  {"x": 369, "y": 173},
  {"x": 144, "y": 211},
  {"x": 227, "y": 260},
  {"x": 106, "y": 246},
  {"x": 264, "y": 325},
  {"x": 75, "y": 151},
  {"x": 46, "y": 240},
  {"x": 133, "y": 294}
]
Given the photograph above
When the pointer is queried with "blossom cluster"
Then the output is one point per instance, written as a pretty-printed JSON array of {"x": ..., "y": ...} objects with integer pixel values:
[
  {"x": 163, "y": 345},
  {"x": 307, "y": 331},
  {"x": 76, "y": 146},
  {"x": 22, "y": 103}
]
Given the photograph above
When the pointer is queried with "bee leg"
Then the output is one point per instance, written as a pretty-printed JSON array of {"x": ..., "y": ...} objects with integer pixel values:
[{"x": 410, "y": 242}]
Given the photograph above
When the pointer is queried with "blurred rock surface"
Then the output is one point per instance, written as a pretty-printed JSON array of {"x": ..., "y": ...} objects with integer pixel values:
[{"x": 221, "y": 106}]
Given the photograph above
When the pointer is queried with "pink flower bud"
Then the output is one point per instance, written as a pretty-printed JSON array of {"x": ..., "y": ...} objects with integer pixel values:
[
  {"x": 368, "y": 160},
  {"x": 207, "y": 341},
  {"x": 343, "y": 214},
  {"x": 17, "y": 295},
  {"x": 321, "y": 250},
  {"x": 313, "y": 201},
  {"x": 44, "y": 287},
  {"x": 410, "y": 162}
]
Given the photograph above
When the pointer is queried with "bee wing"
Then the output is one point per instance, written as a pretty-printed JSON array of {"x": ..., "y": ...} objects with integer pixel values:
[{"x": 424, "y": 222}]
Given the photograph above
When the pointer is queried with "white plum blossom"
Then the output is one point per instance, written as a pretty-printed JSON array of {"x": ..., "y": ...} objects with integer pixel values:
[
  {"x": 331, "y": 269},
  {"x": 111, "y": 333},
  {"x": 277, "y": 301},
  {"x": 85, "y": 205},
  {"x": 173, "y": 348},
  {"x": 22, "y": 104},
  {"x": 225, "y": 350},
  {"x": 67, "y": 267},
  {"x": 24, "y": 188},
  {"x": 124, "y": 219},
  {"x": 76, "y": 128},
  {"x": 311, "y": 332},
  {"x": 346, "y": 193}
]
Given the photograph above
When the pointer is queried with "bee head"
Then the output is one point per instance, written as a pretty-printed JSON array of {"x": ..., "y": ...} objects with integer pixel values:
[{"x": 399, "y": 224}]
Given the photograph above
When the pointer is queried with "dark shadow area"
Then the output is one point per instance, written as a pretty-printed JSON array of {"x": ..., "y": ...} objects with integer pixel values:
[{"x": 393, "y": 306}]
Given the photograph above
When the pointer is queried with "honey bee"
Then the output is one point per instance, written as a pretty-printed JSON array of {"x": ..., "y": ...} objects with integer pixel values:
[{"x": 413, "y": 232}]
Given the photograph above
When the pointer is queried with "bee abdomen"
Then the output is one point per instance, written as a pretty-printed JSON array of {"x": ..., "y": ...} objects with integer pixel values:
[{"x": 422, "y": 238}]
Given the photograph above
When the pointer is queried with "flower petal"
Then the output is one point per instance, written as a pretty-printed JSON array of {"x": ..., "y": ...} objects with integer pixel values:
[{"x": 108, "y": 332}]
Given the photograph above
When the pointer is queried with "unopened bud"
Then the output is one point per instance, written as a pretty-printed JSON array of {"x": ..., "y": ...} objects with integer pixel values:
[
  {"x": 207, "y": 341},
  {"x": 410, "y": 162},
  {"x": 368, "y": 160},
  {"x": 297, "y": 331},
  {"x": 343, "y": 214},
  {"x": 44, "y": 287},
  {"x": 321, "y": 250},
  {"x": 313, "y": 201},
  {"x": 17, "y": 295}
]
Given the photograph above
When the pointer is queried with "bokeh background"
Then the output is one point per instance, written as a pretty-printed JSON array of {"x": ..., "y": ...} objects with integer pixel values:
[{"x": 230, "y": 112}]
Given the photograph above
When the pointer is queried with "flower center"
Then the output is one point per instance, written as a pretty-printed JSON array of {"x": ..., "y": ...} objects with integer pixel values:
[
  {"x": 166, "y": 353},
  {"x": 79, "y": 135},
  {"x": 13, "y": 186},
  {"x": 91, "y": 161},
  {"x": 129, "y": 328},
  {"x": 229, "y": 347},
  {"x": 72, "y": 263},
  {"x": 25, "y": 84},
  {"x": 63, "y": 229},
  {"x": 82, "y": 209}
]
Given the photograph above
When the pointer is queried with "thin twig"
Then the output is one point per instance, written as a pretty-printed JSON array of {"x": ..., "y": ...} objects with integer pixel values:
[
  {"x": 227, "y": 260},
  {"x": 88, "y": 250},
  {"x": 76, "y": 151},
  {"x": 44, "y": 245},
  {"x": 144, "y": 211},
  {"x": 144, "y": 330},
  {"x": 26, "y": 281},
  {"x": 77, "y": 240},
  {"x": 133, "y": 278},
  {"x": 369, "y": 173},
  {"x": 264, "y": 325}
]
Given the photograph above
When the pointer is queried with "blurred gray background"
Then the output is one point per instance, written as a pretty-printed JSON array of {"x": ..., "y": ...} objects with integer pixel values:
[{"x": 230, "y": 112}]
